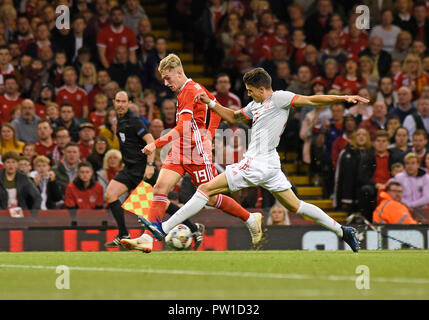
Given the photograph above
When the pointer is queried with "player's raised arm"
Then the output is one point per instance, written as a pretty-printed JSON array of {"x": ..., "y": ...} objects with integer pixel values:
[
  {"x": 226, "y": 114},
  {"x": 321, "y": 100}
]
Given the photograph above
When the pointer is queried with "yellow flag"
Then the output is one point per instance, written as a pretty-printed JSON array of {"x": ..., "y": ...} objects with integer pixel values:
[{"x": 140, "y": 200}]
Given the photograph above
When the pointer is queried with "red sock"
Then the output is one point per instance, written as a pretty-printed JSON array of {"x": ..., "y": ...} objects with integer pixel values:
[
  {"x": 231, "y": 207},
  {"x": 157, "y": 209}
]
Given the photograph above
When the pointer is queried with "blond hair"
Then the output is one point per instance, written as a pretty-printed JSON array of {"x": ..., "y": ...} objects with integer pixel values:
[
  {"x": 411, "y": 155},
  {"x": 41, "y": 159},
  {"x": 170, "y": 62},
  {"x": 111, "y": 152}
]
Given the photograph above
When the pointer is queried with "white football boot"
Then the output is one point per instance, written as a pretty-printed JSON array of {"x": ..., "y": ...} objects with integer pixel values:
[
  {"x": 143, "y": 243},
  {"x": 255, "y": 227}
]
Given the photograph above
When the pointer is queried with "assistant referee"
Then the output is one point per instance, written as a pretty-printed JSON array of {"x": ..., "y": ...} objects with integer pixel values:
[{"x": 133, "y": 135}]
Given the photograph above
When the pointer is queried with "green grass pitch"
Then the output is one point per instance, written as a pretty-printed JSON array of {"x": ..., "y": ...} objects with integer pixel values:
[{"x": 215, "y": 275}]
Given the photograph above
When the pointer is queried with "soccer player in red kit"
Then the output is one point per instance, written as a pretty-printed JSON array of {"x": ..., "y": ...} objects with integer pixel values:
[{"x": 190, "y": 153}]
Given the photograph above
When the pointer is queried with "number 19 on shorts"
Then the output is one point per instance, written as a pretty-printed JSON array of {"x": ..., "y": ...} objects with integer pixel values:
[{"x": 201, "y": 176}]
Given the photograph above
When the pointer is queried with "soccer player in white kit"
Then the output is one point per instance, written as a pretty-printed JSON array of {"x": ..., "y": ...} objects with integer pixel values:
[{"x": 260, "y": 165}]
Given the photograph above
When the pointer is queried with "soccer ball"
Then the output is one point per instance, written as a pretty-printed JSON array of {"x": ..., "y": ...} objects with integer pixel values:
[{"x": 179, "y": 238}]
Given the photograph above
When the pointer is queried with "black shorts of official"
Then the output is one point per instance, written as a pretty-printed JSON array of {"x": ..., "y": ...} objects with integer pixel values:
[{"x": 132, "y": 176}]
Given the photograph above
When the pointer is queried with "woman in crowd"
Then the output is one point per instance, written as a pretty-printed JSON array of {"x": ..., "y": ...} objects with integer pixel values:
[
  {"x": 278, "y": 216},
  {"x": 8, "y": 140},
  {"x": 99, "y": 150},
  {"x": 108, "y": 130}
]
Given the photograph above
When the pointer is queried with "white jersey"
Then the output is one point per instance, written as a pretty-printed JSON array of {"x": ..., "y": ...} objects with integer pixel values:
[{"x": 268, "y": 123}]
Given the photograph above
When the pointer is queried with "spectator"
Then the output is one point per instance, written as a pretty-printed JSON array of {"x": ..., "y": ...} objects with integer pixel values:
[
  {"x": 29, "y": 151},
  {"x": 382, "y": 58},
  {"x": 103, "y": 78},
  {"x": 401, "y": 143},
  {"x": 333, "y": 50},
  {"x": 422, "y": 25},
  {"x": 377, "y": 121},
  {"x": 24, "y": 165},
  {"x": 79, "y": 38},
  {"x": 278, "y": 53},
  {"x": 396, "y": 168},
  {"x": 108, "y": 130},
  {"x": 311, "y": 60},
  {"x": 97, "y": 116},
  {"x": 6, "y": 68},
  {"x": 355, "y": 41},
  {"x": 144, "y": 28},
  {"x": 419, "y": 143},
  {"x": 99, "y": 150},
  {"x": 419, "y": 48},
  {"x": 84, "y": 192},
  {"x": 110, "y": 89},
  {"x": 231, "y": 26},
  {"x": 302, "y": 84},
  {"x": 86, "y": 139},
  {"x": 10, "y": 99},
  {"x": 45, "y": 146},
  {"x": 350, "y": 126},
  {"x": 26, "y": 124},
  {"x": 223, "y": 94},
  {"x": 68, "y": 120},
  {"x": 156, "y": 128},
  {"x": 100, "y": 19},
  {"x": 62, "y": 138},
  {"x": 114, "y": 35},
  {"x": 121, "y": 68},
  {"x": 366, "y": 69},
  {"x": 23, "y": 33},
  {"x": 87, "y": 77},
  {"x": 66, "y": 170},
  {"x": 335, "y": 24},
  {"x": 8, "y": 140},
  {"x": 47, "y": 95},
  {"x": 386, "y": 31},
  {"x": 296, "y": 48},
  {"x": 43, "y": 35},
  {"x": 133, "y": 14},
  {"x": 403, "y": 107},
  {"x": 316, "y": 25},
  {"x": 425, "y": 163},
  {"x": 16, "y": 189},
  {"x": 390, "y": 208},
  {"x": 415, "y": 183},
  {"x": 168, "y": 109},
  {"x": 44, "y": 179},
  {"x": 33, "y": 78},
  {"x": 412, "y": 75},
  {"x": 392, "y": 123},
  {"x": 386, "y": 93},
  {"x": 350, "y": 80},
  {"x": 419, "y": 120},
  {"x": 278, "y": 216},
  {"x": 134, "y": 88},
  {"x": 403, "y": 46},
  {"x": 72, "y": 93},
  {"x": 403, "y": 18},
  {"x": 362, "y": 111},
  {"x": 283, "y": 77},
  {"x": 374, "y": 172},
  {"x": 296, "y": 16},
  {"x": 112, "y": 164},
  {"x": 146, "y": 49},
  {"x": 57, "y": 69},
  {"x": 52, "y": 112},
  {"x": 330, "y": 72}
]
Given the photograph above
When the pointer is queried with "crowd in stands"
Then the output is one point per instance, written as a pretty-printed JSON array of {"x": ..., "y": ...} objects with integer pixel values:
[{"x": 58, "y": 142}]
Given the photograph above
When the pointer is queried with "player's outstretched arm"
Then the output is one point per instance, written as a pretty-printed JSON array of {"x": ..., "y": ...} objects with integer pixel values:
[
  {"x": 321, "y": 100},
  {"x": 226, "y": 114}
]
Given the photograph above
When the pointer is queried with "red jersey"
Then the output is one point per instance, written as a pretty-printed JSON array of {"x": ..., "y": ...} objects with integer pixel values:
[
  {"x": 78, "y": 97},
  {"x": 40, "y": 110},
  {"x": 85, "y": 149},
  {"x": 90, "y": 198},
  {"x": 228, "y": 99},
  {"x": 403, "y": 79},
  {"x": 111, "y": 39},
  {"x": 6, "y": 106},
  {"x": 344, "y": 83},
  {"x": 193, "y": 146},
  {"x": 97, "y": 120},
  {"x": 43, "y": 150},
  {"x": 10, "y": 70}
]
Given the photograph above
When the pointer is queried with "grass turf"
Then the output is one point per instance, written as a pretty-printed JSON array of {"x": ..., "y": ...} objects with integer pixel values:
[{"x": 215, "y": 275}]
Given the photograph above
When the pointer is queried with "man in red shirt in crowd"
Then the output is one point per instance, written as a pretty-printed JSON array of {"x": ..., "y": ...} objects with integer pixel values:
[
  {"x": 84, "y": 192},
  {"x": 10, "y": 99},
  {"x": 46, "y": 144},
  {"x": 97, "y": 117},
  {"x": 6, "y": 68},
  {"x": 86, "y": 139},
  {"x": 103, "y": 78},
  {"x": 72, "y": 93},
  {"x": 222, "y": 93},
  {"x": 114, "y": 35}
]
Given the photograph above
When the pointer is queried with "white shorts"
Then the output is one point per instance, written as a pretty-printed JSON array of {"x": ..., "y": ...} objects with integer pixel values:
[{"x": 251, "y": 173}]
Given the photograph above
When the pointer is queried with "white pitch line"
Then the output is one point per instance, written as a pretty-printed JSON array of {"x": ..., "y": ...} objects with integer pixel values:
[{"x": 290, "y": 276}]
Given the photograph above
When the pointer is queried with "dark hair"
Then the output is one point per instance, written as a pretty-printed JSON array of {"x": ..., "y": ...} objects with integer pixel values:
[
  {"x": 420, "y": 132},
  {"x": 391, "y": 184},
  {"x": 10, "y": 155},
  {"x": 257, "y": 78},
  {"x": 66, "y": 104},
  {"x": 58, "y": 129},
  {"x": 85, "y": 164},
  {"x": 116, "y": 8},
  {"x": 381, "y": 133},
  {"x": 72, "y": 144},
  {"x": 220, "y": 75}
]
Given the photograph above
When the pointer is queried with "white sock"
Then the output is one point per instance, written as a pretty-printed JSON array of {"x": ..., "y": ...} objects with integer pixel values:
[
  {"x": 191, "y": 208},
  {"x": 317, "y": 215}
]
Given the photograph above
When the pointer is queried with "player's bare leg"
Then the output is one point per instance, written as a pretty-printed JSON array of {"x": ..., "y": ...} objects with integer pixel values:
[
  {"x": 291, "y": 202},
  {"x": 205, "y": 194},
  {"x": 113, "y": 191}
]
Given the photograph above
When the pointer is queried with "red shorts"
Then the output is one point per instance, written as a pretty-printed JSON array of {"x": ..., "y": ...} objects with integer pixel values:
[{"x": 200, "y": 173}]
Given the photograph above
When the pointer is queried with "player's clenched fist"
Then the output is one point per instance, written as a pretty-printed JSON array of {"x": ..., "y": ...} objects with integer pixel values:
[{"x": 149, "y": 149}]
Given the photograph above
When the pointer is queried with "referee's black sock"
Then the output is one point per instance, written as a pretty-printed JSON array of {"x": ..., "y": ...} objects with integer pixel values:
[
  {"x": 118, "y": 214},
  {"x": 172, "y": 208}
]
